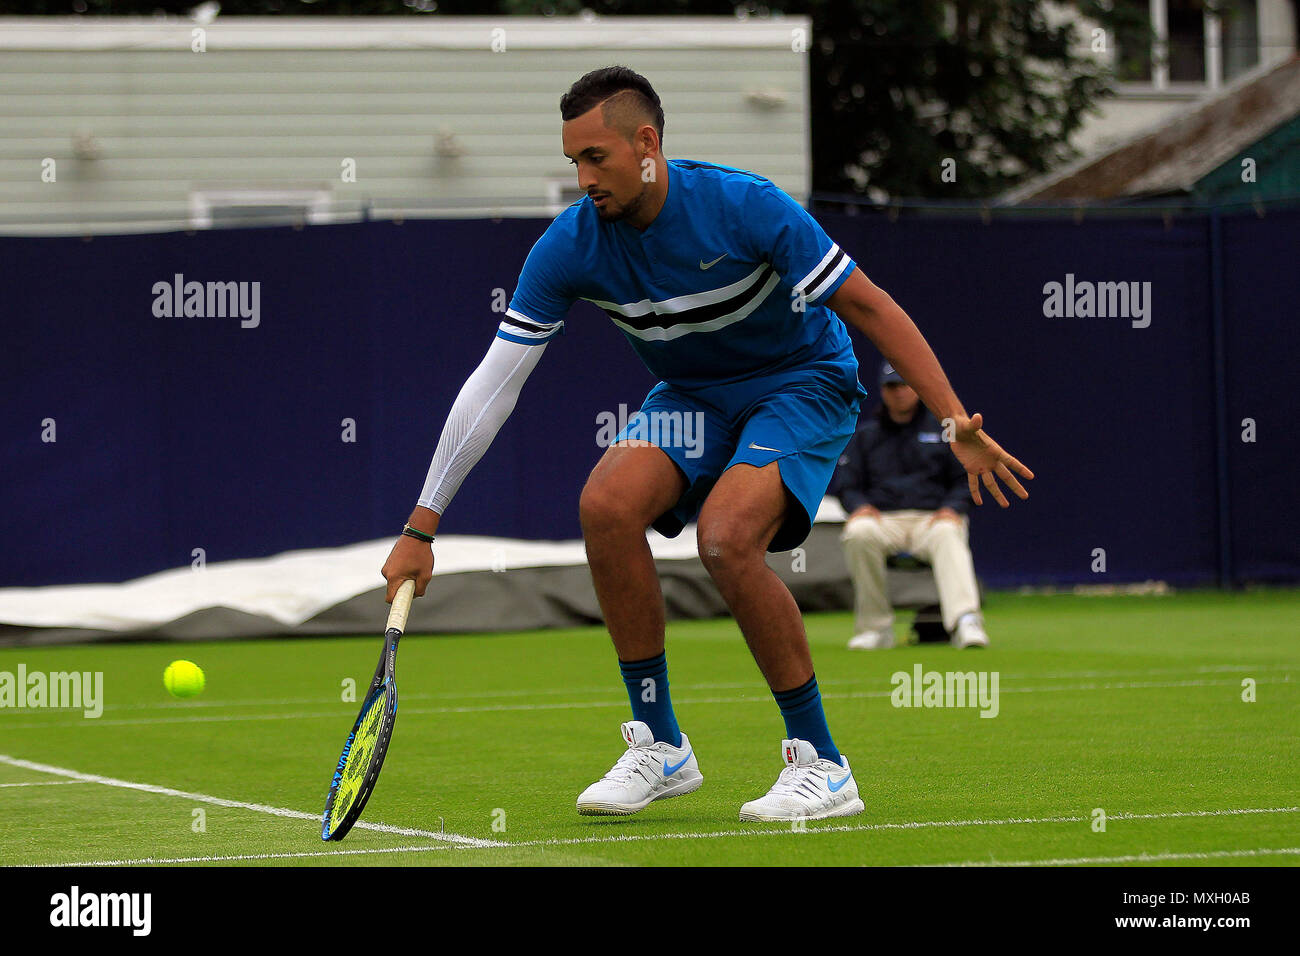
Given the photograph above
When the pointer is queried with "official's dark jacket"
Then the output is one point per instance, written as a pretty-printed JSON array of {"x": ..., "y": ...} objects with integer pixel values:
[{"x": 896, "y": 467}]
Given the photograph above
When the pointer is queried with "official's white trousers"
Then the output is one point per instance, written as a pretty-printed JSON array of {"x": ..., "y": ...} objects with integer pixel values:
[{"x": 944, "y": 544}]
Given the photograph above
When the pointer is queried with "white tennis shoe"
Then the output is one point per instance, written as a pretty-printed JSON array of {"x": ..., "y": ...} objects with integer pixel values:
[
  {"x": 809, "y": 788},
  {"x": 872, "y": 640},
  {"x": 970, "y": 632},
  {"x": 646, "y": 772}
]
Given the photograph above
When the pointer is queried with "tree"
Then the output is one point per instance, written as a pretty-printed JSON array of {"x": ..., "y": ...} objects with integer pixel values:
[{"x": 993, "y": 85}]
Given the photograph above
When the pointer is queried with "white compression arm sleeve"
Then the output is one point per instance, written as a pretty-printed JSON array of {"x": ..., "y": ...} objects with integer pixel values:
[{"x": 484, "y": 403}]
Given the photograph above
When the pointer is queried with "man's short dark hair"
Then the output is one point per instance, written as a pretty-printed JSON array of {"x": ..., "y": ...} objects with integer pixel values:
[{"x": 599, "y": 85}]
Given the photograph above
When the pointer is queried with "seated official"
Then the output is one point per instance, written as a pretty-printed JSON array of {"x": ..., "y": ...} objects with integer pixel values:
[{"x": 905, "y": 492}]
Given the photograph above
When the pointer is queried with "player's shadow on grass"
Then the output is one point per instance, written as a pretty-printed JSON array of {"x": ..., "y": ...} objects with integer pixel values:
[{"x": 640, "y": 820}]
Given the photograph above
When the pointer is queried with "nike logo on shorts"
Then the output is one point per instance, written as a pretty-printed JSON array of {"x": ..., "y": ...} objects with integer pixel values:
[
  {"x": 763, "y": 447},
  {"x": 713, "y": 263}
]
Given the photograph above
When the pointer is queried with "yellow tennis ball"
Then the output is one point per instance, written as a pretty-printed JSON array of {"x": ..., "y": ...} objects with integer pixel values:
[{"x": 183, "y": 679}]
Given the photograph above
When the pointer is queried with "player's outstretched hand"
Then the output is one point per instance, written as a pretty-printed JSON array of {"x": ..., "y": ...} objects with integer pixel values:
[
  {"x": 983, "y": 458},
  {"x": 410, "y": 560}
]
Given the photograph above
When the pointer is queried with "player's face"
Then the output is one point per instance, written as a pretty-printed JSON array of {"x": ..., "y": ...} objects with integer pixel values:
[
  {"x": 900, "y": 399},
  {"x": 609, "y": 167}
]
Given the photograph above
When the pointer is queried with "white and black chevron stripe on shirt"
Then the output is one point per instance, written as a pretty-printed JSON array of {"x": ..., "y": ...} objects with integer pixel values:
[
  {"x": 698, "y": 312},
  {"x": 709, "y": 311},
  {"x": 522, "y": 327},
  {"x": 824, "y": 275}
]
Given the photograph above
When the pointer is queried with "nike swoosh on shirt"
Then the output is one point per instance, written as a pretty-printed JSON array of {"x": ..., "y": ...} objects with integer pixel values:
[
  {"x": 669, "y": 771},
  {"x": 713, "y": 263},
  {"x": 763, "y": 447}
]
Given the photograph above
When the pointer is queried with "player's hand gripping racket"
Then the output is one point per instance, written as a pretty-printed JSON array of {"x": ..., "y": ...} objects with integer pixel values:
[{"x": 363, "y": 753}]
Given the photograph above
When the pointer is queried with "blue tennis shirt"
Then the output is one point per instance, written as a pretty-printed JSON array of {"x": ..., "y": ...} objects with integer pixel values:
[{"x": 726, "y": 285}]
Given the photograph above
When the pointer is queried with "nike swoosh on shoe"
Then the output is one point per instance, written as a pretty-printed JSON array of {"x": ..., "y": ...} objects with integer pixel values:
[{"x": 669, "y": 771}]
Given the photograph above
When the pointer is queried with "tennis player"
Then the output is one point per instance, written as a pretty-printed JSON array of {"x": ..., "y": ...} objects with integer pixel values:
[{"x": 733, "y": 297}]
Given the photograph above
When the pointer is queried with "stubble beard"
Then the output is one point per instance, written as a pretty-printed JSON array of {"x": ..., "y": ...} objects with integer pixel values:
[{"x": 630, "y": 208}]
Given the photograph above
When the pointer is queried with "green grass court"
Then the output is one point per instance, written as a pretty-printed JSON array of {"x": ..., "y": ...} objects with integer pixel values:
[{"x": 1128, "y": 704}]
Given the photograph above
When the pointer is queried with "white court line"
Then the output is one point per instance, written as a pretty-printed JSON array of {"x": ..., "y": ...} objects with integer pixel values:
[
  {"x": 597, "y": 704},
  {"x": 474, "y": 695},
  {"x": 158, "y": 861},
  {"x": 43, "y": 783},
  {"x": 234, "y": 804},
  {"x": 759, "y": 830},
  {"x": 214, "y": 719},
  {"x": 782, "y": 830},
  {"x": 1133, "y": 858},
  {"x": 730, "y": 685},
  {"x": 1206, "y": 669}
]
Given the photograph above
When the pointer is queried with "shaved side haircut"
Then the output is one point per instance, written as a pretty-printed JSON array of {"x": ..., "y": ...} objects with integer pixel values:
[{"x": 626, "y": 98}]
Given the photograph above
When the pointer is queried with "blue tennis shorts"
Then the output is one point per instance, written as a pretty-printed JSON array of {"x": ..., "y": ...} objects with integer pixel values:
[{"x": 801, "y": 419}]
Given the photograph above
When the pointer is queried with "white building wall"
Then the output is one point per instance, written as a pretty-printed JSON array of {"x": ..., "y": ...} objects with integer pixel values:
[{"x": 442, "y": 116}]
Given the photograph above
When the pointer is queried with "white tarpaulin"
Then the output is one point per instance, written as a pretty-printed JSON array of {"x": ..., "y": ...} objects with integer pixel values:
[{"x": 480, "y": 584}]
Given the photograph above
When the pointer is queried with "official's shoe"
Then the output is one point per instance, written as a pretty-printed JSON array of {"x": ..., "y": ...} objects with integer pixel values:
[
  {"x": 646, "y": 772},
  {"x": 872, "y": 640},
  {"x": 970, "y": 632},
  {"x": 809, "y": 788}
]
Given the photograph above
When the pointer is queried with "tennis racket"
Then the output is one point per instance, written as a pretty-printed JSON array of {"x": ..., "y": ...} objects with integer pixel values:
[{"x": 364, "y": 750}]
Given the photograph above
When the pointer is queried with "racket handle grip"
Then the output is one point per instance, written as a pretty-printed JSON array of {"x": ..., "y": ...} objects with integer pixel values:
[{"x": 401, "y": 606}]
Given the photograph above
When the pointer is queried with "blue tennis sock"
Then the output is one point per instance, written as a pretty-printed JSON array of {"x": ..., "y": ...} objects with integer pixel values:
[
  {"x": 805, "y": 720},
  {"x": 647, "y": 689}
]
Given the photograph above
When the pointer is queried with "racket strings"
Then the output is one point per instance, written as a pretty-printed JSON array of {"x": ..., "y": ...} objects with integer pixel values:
[{"x": 358, "y": 761}]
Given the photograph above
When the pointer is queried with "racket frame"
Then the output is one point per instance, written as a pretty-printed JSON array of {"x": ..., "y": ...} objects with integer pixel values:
[{"x": 385, "y": 676}]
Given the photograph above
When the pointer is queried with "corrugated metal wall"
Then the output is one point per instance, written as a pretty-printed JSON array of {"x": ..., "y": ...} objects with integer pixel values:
[{"x": 280, "y": 104}]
